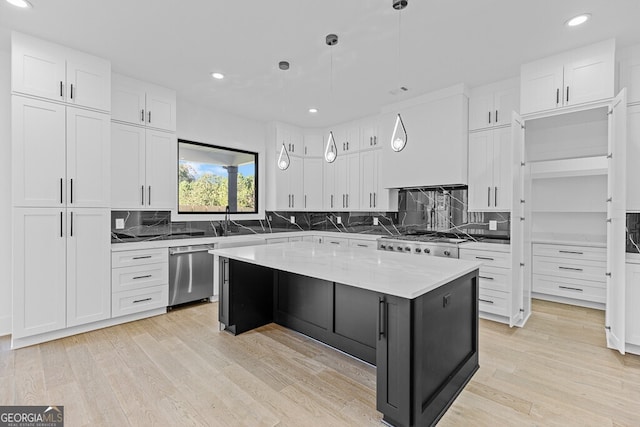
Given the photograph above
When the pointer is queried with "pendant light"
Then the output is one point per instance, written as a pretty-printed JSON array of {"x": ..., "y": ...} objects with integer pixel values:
[
  {"x": 399, "y": 136},
  {"x": 331, "y": 151},
  {"x": 283, "y": 160}
]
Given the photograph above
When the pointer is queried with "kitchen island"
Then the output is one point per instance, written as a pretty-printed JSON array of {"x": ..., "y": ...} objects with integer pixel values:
[{"x": 415, "y": 318}]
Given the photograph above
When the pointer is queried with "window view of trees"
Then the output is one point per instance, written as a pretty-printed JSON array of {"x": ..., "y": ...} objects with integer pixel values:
[{"x": 203, "y": 187}]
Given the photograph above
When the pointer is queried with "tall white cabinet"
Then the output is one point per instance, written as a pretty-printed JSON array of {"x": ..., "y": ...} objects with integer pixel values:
[{"x": 60, "y": 189}]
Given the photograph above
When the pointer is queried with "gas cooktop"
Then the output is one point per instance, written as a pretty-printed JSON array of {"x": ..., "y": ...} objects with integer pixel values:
[{"x": 430, "y": 237}]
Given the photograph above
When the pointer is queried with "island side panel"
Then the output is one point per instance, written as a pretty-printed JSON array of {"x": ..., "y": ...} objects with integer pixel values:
[
  {"x": 445, "y": 350},
  {"x": 246, "y": 295}
]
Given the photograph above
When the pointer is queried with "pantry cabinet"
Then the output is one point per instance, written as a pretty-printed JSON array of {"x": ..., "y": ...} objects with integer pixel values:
[
  {"x": 572, "y": 78},
  {"x": 491, "y": 105},
  {"x": 47, "y": 70},
  {"x": 141, "y": 163},
  {"x": 61, "y": 269},
  {"x": 490, "y": 178},
  {"x": 60, "y": 155},
  {"x": 144, "y": 104}
]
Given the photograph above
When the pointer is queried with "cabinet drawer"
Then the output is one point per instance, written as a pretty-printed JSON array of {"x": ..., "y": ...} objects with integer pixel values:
[
  {"x": 138, "y": 300},
  {"x": 488, "y": 258},
  {"x": 139, "y": 276},
  {"x": 497, "y": 279},
  {"x": 572, "y": 252},
  {"x": 363, "y": 244},
  {"x": 495, "y": 302},
  {"x": 139, "y": 257},
  {"x": 570, "y": 268},
  {"x": 570, "y": 288}
]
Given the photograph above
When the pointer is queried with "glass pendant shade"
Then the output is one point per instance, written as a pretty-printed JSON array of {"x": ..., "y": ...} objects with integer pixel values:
[
  {"x": 283, "y": 160},
  {"x": 331, "y": 152},
  {"x": 399, "y": 137}
]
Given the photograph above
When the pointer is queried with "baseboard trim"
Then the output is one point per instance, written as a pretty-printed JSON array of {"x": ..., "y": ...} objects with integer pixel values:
[
  {"x": 570, "y": 301},
  {"x": 5, "y": 325}
]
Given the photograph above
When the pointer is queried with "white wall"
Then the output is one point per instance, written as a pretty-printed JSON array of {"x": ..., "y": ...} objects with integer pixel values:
[
  {"x": 5, "y": 193},
  {"x": 201, "y": 124}
]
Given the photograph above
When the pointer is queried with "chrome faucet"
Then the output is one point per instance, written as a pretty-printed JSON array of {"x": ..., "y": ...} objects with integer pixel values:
[{"x": 227, "y": 218}]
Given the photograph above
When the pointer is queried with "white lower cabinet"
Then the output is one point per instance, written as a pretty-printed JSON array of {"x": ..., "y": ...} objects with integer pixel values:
[
  {"x": 632, "y": 314},
  {"x": 570, "y": 274},
  {"x": 61, "y": 265},
  {"x": 139, "y": 281},
  {"x": 495, "y": 296}
]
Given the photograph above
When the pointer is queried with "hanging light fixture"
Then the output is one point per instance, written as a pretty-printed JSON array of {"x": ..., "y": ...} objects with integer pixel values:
[
  {"x": 399, "y": 136},
  {"x": 283, "y": 160},
  {"x": 331, "y": 151}
]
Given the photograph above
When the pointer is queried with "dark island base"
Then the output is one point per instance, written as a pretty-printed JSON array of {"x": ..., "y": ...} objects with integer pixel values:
[{"x": 425, "y": 349}]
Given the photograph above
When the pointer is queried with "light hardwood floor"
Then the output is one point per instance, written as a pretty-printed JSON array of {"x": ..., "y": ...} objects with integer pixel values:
[{"x": 177, "y": 369}]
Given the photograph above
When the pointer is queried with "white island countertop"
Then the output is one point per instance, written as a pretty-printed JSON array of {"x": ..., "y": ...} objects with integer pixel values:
[{"x": 401, "y": 275}]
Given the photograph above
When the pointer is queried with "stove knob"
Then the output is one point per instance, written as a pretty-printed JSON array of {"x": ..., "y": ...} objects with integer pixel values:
[
  {"x": 390, "y": 247},
  {"x": 399, "y": 248},
  {"x": 418, "y": 250},
  {"x": 407, "y": 248},
  {"x": 383, "y": 247},
  {"x": 447, "y": 253},
  {"x": 427, "y": 250}
]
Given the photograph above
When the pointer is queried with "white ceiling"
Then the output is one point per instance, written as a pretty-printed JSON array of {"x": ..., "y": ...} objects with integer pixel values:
[{"x": 444, "y": 42}]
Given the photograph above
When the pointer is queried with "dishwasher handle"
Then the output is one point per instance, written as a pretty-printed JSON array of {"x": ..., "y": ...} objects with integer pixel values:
[{"x": 190, "y": 250}]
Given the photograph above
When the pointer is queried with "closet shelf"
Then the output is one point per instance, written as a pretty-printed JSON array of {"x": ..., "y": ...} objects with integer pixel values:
[{"x": 567, "y": 168}]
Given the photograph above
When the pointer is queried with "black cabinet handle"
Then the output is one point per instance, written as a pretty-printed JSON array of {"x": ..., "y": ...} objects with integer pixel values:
[
  {"x": 347, "y": 200},
  {"x": 61, "y": 225},
  {"x": 72, "y": 91},
  {"x": 370, "y": 200},
  {"x": 375, "y": 140},
  {"x": 149, "y": 199},
  {"x": 486, "y": 300},
  {"x": 557, "y": 96},
  {"x": 71, "y": 224},
  {"x": 361, "y": 245},
  {"x": 495, "y": 196},
  {"x": 142, "y": 115},
  {"x": 61, "y": 94},
  {"x": 374, "y": 200},
  {"x": 569, "y": 268},
  {"x": 332, "y": 201},
  {"x": 571, "y": 252},
  {"x": 149, "y": 114},
  {"x": 348, "y": 141},
  {"x": 61, "y": 190},
  {"x": 382, "y": 317},
  {"x": 489, "y": 116},
  {"x": 569, "y": 288},
  {"x": 496, "y": 116},
  {"x": 486, "y": 277},
  {"x": 293, "y": 200},
  {"x": 71, "y": 195},
  {"x": 142, "y": 300},
  {"x": 142, "y": 195},
  {"x": 485, "y": 258},
  {"x": 142, "y": 277},
  {"x": 567, "y": 93},
  {"x": 488, "y": 196},
  {"x": 142, "y": 257},
  {"x": 343, "y": 200}
]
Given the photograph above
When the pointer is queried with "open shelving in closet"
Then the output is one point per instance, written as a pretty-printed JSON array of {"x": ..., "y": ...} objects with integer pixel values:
[{"x": 567, "y": 176}]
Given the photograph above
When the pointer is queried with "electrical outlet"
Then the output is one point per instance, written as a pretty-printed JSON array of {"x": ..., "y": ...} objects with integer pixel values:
[
  {"x": 375, "y": 220},
  {"x": 293, "y": 219},
  {"x": 119, "y": 223},
  {"x": 339, "y": 219},
  {"x": 493, "y": 225}
]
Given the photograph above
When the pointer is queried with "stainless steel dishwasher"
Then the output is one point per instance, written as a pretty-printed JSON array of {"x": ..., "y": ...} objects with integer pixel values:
[{"x": 190, "y": 274}]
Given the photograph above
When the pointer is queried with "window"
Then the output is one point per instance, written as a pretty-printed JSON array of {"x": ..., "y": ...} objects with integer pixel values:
[{"x": 210, "y": 178}]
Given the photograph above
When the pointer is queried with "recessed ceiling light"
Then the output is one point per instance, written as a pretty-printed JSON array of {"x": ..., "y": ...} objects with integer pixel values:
[
  {"x": 313, "y": 110},
  {"x": 577, "y": 20},
  {"x": 217, "y": 76},
  {"x": 20, "y": 3}
]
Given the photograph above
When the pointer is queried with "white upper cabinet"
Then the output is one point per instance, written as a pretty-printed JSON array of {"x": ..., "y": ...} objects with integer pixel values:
[
  {"x": 630, "y": 73},
  {"x": 490, "y": 178},
  {"x": 143, "y": 104},
  {"x": 43, "y": 69},
  {"x": 289, "y": 186},
  {"x": 142, "y": 161},
  {"x": 347, "y": 137},
  {"x": 576, "y": 77},
  {"x": 633, "y": 158},
  {"x": 58, "y": 161},
  {"x": 369, "y": 133},
  {"x": 491, "y": 105},
  {"x": 313, "y": 184},
  {"x": 291, "y": 137},
  {"x": 313, "y": 144}
]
